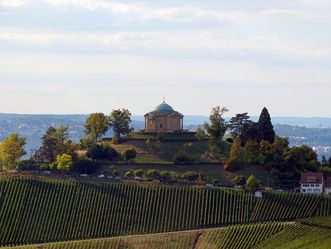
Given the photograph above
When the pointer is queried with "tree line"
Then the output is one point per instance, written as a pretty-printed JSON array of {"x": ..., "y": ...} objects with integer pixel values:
[
  {"x": 256, "y": 143},
  {"x": 59, "y": 152}
]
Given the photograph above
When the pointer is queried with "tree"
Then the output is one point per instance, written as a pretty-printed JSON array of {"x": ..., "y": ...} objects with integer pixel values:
[
  {"x": 11, "y": 150},
  {"x": 119, "y": 121},
  {"x": 236, "y": 158},
  {"x": 252, "y": 154},
  {"x": 216, "y": 128},
  {"x": 102, "y": 151},
  {"x": 200, "y": 134},
  {"x": 237, "y": 124},
  {"x": 64, "y": 163},
  {"x": 49, "y": 144},
  {"x": 250, "y": 131},
  {"x": 56, "y": 141},
  {"x": 266, "y": 127},
  {"x": 129, "y": 154},
  {"x": 86, "y": 166},
  {"x": 252, "y": 183},
  {"x": 96, "y": 126}
]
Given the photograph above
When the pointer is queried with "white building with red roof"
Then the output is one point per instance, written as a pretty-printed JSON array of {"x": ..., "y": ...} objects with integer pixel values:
[{"x": 312, "y": 183}]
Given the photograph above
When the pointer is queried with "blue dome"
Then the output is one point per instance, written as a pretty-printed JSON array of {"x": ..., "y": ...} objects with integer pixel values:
[{"x": 164, "y": 107}]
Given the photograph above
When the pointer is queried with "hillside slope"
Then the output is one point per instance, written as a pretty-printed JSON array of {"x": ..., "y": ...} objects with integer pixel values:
[
  {"x": 36, "y": 210},
  {"x": 257, "y": 236}
]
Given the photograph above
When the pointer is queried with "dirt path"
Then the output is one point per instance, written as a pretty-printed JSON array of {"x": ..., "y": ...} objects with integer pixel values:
[{"x": 196, "y": 240}]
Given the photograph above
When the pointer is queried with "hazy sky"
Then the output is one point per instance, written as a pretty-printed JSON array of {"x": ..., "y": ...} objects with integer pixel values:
[{"x": 82, "y": 56}]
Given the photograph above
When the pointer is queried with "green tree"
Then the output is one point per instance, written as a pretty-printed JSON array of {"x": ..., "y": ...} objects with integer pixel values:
[
  {"x": 200, "y": 134},
  {"x": 119, "y": 121},
  {"x": 64, "y": 163},
  {"x": 96, "y": 126},
  {"x": 266, "y": 127},
  {"x": 11, "y": 150},
  {"x": 102, "y": 151},
  {"x": 56, "y": 141},
  {"x": 250, "y": 131},
  {"x": 252, "y": 154},
  {"x": 216, "y": 129},
  {"x": 252, "y": 183},
  {"x": 237, "y": 124},
  {"x": 236, "y": 158}
]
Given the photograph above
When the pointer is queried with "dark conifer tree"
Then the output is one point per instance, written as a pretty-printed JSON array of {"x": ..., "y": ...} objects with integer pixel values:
[{"x": 266, "y": 127}]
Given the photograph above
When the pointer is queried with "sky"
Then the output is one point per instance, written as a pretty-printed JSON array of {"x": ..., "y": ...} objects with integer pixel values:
[{"x": 84, "y": 56}]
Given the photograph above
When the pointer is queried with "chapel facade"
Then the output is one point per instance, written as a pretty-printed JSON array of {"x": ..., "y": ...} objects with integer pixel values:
[{"x": 164, "y": 119}]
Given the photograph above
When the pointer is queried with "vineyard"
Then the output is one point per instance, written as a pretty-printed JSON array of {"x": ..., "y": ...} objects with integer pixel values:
[
  {"x": 38, "y": 211},
  {"x": 269, "y": 235}
]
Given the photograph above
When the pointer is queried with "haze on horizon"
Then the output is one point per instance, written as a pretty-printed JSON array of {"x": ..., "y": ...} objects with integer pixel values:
[{"x": 83, "y": 56}]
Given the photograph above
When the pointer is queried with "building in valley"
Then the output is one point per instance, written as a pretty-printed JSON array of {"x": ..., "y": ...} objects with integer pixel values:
[
  {"x": 164, "y": 119},
  {"x": 312, "y": 183}
]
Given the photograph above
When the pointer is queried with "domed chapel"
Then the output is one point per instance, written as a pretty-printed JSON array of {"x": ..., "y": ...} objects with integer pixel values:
[{"x": 164, "y": 119}]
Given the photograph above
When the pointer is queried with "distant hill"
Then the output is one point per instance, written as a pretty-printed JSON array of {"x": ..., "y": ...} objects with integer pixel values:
[{"x": 315, "y": 132}]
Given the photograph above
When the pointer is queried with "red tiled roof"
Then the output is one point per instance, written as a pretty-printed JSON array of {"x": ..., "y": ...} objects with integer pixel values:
[
  {"x": 328, "y": 182},
  {"x": 311, "y": 178}
]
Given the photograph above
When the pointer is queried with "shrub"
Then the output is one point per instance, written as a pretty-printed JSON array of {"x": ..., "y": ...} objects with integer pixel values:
[
  {"x": 44, "y": 166},
  {"x": 165, "y": 176},
  {"x": 252, "y": 183},
  {"x": 86, "y": 166},
  {"x": 239, "y": 180},
  {"x": 129, "y": 154},
  {"x": 139, "y": 173},
  {"x": 235, "y": 160},
  {"x": 129, "y": 174},
  {"x": 182, "y": 158},
  {"x": 26, "y": 165},
  {"x": 64, "y": 162},
  {"x": 231, "y": 165},
  {"x": 215, "y": 181},
  {"x": 190, "y": 176},
  {"x": 153, "y": 174},
  {"x": 116, "y": 173},
  {"x": 102, "y": 151}
]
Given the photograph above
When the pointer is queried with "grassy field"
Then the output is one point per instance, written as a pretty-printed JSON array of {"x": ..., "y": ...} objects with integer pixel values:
[
  {"x": 47, "y": 210},
  {"x": 164, "y": 152},
  {"x": 256, "y": 236}
]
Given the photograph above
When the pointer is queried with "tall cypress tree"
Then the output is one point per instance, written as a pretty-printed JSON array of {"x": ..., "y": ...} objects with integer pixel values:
[{"x": 266, "y": 127}]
